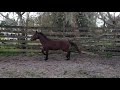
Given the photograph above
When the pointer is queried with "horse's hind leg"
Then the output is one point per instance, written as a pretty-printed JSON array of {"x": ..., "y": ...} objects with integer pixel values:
[{"x": 68, "y": 55}]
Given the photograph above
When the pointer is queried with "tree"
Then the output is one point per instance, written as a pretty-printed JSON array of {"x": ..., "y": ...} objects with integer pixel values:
[
  {"x": 21, "y": 23},
  {"x": 81, "y": 20},
  {"x": 91, "y": 18},
  {"x": 109, "y": 19},
  {"x": 72, "y": 19},
  {"x": 44, "y": 20},
  {"x": 7, "y": 20},
  {"x": 59, "y": 19}
]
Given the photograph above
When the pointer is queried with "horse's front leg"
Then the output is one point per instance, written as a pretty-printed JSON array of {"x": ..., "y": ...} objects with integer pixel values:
[
  {"x": 43, "y": 52},
  {"x": 46, "y": 58},
  {"x": 68, "y": 55}
]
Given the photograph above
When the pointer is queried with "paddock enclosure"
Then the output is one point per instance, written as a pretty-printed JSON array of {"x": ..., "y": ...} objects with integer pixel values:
[{"x": 102, "y": 41}]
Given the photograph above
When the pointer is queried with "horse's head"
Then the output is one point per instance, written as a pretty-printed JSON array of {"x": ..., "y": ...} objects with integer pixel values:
[
  {"x": 35, "y": 36},
  {"x": 39, "y": 35}
]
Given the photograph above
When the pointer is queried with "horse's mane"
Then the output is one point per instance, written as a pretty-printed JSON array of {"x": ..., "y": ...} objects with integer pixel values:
[{"x": 43, "y": 35}]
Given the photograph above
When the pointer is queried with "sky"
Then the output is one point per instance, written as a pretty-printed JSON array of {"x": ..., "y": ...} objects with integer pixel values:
[{"x": 34, "y": 14}]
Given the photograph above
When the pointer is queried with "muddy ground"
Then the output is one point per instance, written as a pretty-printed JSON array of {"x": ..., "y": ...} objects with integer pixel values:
[{"x": 80, "y": 66}]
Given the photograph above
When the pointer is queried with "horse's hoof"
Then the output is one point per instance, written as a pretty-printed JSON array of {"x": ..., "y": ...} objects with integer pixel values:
[
  {"x": 45, "y": 59},
  {"x": 67, "y": 59}
]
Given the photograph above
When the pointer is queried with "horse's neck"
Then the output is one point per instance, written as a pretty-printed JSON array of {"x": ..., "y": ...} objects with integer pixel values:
[{"x": 43, "y": 40}]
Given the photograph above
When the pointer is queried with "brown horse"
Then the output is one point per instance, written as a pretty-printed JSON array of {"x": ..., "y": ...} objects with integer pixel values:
[{"x": 49, "y": 44}]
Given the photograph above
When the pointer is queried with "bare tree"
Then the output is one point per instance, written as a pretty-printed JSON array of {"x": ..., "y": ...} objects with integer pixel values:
[
  {"x": 21, "y": 23},
  {"x": 6, "y": 17},
  {"x": 71, "y": 18},
  {"x": 109, "y": 19},
  {"x": 20, "y": 14}
]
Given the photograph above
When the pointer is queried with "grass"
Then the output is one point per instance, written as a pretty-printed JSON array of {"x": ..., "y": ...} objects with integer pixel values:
[
  {"x": 9, "y": 54},
  {"x": 7, "y": 47},
  {"x": 13, "y": 51},
  {"x": 109, "y": 55}
]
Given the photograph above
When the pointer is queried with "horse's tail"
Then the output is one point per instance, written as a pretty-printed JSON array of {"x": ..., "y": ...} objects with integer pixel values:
[{"x": 73, "y": 44}]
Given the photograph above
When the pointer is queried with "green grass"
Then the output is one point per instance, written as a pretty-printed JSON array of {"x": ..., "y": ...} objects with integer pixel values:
[
  {"x": 17, "y": 53},
  {"x": 7, "y": 53},
  {"x": 7, "y": 47},
  {"x": 109, "y": 55},
  {"x": 13, "y": 51}
]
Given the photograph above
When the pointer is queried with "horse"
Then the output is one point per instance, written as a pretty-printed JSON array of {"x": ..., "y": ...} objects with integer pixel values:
[{"x": 50, "y": 44}]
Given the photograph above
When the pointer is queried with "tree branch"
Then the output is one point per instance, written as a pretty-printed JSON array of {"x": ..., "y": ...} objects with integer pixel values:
[
  {"x": 86, "y": 15},
  {"x": 8, "y": 18},
  {"x": 109, "y": 16},
  {"x": 22, "y": 13},
  {"x": 18, "y": 13},
  {"x": 105, "y": 21}
]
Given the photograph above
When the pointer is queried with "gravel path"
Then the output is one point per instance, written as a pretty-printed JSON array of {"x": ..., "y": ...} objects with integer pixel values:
[{"x": 57, "y": 67}]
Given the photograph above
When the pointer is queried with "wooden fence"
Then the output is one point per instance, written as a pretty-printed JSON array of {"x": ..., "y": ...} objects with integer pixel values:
[{"x": 97, "y": 40}]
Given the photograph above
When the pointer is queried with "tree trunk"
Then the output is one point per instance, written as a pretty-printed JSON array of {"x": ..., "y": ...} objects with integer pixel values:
[
  {"x": 21, "y": 23},
  {"x": 73, "y": 23},
  {"x": 70, "y": 18}
]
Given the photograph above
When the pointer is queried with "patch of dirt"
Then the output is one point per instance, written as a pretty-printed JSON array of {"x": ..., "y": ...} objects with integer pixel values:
[{"x": 80, "y": 66}]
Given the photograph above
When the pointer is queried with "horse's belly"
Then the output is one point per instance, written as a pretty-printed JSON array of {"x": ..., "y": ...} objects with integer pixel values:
[
  {"x": 54, "y": 48},
  {"x": 58, "y": 46}
]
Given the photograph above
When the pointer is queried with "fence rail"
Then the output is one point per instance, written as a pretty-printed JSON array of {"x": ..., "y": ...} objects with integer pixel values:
[{"x": 98, "y": 40}]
